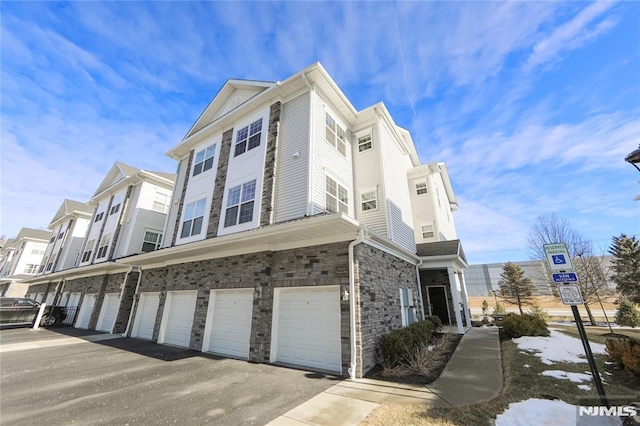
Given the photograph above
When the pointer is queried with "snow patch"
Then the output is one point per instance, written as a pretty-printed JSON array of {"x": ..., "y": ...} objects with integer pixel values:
[
  {"x": 584, "y": 387},
  {"x": 573, "y": 377},
  {"x": 558, "y": 347},
  {"x": 543, "y": 412}
]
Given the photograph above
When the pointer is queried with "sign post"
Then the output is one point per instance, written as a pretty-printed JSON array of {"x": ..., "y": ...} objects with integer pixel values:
[{"x": 559, "y": 260}]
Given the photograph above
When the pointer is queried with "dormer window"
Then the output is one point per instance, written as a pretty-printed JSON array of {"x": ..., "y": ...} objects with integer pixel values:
[
  {"x": 204, "y": 160},
  {"x": 248, "y": 137}
]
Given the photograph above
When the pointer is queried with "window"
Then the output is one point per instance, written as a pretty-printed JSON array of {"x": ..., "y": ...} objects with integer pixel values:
[
  {"x": 151, "y": 241},
  {"x": 369, "y": 200},
  {"x": 336, "y": 136},
  {"x": 87, "y": 251},
  {"x": 52, "y": 239},
  {"x": 428, "y": 232},
  {"x": 115, "y": 209},
  {"x": 193, "y": 217},
  {"x": 37, "y": 251},
  {"x": 421, "y": 187},
  {"x": 60, "y": 235},
  {"x": 364, "y": 143},
  {"x": 41, "y": 268},
  {"x": 337, "y": 199},
  {"x": 104, "y": 246},
  {"x": 407, "y": 306},
  {"x": 204, "y": 160},
  {"x": 160, "y": 203},
  {"x": 50, "y": 262},
  {"x": 249, "y": 135},
  {"x": 99, "y": 217},
  {"x": 240, "y": 201},
  {"x": 30, "y": 268}
]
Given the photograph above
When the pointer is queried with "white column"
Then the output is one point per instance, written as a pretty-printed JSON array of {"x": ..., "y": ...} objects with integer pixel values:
[
  {"x": 465, "y": 298},
  {"x": 456, "y": 301}
]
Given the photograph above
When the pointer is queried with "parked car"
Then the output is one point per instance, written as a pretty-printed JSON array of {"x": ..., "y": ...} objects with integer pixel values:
[{"x": 20, "y": 310}]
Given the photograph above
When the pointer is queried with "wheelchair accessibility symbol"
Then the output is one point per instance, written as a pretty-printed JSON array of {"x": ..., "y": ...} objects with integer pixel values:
[{"x": 558, "y": 259}]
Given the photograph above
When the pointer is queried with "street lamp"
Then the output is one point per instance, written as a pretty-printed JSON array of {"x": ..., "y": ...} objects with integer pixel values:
[
  {"x": 495, "y": 296},
  {"x": 634, "y": 158}
]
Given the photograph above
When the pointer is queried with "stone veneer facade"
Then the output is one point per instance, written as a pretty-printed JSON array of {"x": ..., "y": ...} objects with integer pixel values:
[
  {"x": 379, "y": 277},
  {"x": 99, "y": 285}
]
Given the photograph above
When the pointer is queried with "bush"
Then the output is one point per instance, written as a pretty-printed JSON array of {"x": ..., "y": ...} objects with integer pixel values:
[
  {"x": 499, "y": 310},
  {"x": 625, "y": 353},
  {"x": 394, "y": 348},
  {"x": 627, "y": 314},
  {"x": 524, "y": 325},
  {"x": 485, "y": 309},
  {"x": 537, "y": 311}
]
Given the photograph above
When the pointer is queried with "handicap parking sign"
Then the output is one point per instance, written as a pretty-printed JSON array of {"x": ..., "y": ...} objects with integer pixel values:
[{"x": 558, "y": 259}]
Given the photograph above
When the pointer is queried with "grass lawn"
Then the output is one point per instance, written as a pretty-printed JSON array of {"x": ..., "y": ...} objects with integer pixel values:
[{"x": 523, "y": 380}]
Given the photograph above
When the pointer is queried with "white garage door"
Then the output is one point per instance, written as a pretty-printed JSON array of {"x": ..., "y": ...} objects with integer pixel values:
[
  {"x": 108, "y": 312},
  {"x": 229, "y": 322},
  {"x": 177, "y": 318},
  {"x": 88, "y": 302},
  {"x": 74, "y": 299},
  {"x": 146, "y": 316},
  {"x": 308, "y": 327}
]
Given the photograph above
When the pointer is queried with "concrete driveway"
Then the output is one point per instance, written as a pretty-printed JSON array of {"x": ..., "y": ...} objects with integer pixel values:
[{"x": 51, "y": 378}]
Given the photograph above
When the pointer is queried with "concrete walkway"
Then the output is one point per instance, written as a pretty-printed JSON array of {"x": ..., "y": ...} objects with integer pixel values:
[{"x": 473, "y": 374}]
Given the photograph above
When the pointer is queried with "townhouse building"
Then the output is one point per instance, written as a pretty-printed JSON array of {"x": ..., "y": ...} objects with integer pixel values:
[
  {"x": 299, "y": 231},
  {"x": 127, "y": 216},
  {"x": 20, "y": 259}
]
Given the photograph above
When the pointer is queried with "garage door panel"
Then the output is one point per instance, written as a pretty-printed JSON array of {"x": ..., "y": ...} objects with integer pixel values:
[
  {"x": 145, "y": 321},
  {"x": 107, "y": 317},
  {"x": 308, "y": 327},
  {"x": 84, "y": 316},
  {"x": 229, "y": 322},
  {"x": 178, "y": 319}
]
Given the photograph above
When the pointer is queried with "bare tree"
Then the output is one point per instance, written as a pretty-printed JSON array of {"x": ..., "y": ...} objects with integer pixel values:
[{"x": 549, "y": 229}]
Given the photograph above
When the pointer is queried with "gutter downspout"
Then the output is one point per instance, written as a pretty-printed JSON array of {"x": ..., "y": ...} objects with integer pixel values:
[
  {"x": 420, "y": 288},
  {"x": 135, "y": 294},
  {"x": 310, "y": 169},
  {"x": 352, "y": 304}
]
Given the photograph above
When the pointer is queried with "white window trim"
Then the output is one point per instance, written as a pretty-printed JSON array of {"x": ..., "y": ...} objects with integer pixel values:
[
  {"x": 248, "y": 138},
  {"x": 165, "y": 204},
  {"x": 193, "y": 219},
  {"x": 374, "y": 199},
  {"x": 338, "y": 201},
  {"x": 334, "y": 132},
  {"x": 426, "y": 187},
  {"x": 369, "y": 142},
  {"x": 88, "y": 250},
  {"x": 211, "y": 157},
  {"x": 104, "y": 244},
  {"x": 157, "y": 244},
  {"x": 433, "y": 230},
  {"x": 241, "y": 202}
]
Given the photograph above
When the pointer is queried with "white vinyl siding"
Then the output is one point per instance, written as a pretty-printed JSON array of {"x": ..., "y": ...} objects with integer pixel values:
[
  {"x": 367, "y": 175},
  {"x": 293, "y": 161},
  {"x": 172, "y": 218},
  {"x": 327, "y": 159},
  {"x": 146, "y": 220},
  {"x": 398, "y": 198}
]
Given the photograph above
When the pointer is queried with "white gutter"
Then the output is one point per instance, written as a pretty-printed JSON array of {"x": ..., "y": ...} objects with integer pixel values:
[
  {"x": 310, "y": 169},
  {"x": 352, "y": 304},
  {"x": 126, "y": 330}
]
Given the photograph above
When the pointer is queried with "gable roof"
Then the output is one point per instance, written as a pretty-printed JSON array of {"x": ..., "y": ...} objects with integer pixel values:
[
  {"x": 121, "y": 171},
  {"x": 69, "y": 207},
  {"x": 33, "y": 234}
]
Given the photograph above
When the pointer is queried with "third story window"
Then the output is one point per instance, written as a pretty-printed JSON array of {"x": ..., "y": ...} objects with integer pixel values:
[
  {"x": 421, "y": 188},
  {"x": 369, "y": 200},
  {"x": 99, "y": 217},
  {"x": 193, "y": 217},
  {"x": 336, "y": 135},
  {"x": 204, "y": 160},
  {"x": 248, "y": 137},
  {"x": 240, "y": 201},
  {"x": 364, "y": 143},
  {"x": 337, "y": 198},
  {"x": 160, "y": 202},
  {"x": 115, "y": 209},
  {"x": 428, "y": 232}
]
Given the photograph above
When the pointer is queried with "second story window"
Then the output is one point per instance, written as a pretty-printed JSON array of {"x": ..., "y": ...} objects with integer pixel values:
[
  {"x": 50, "y": 263},
  {"x": 248, "y": 138},
  {"x": 369, "y": 200},
  {"x": 204, "y": 160},
  {"x": 151, "y": 241},
  {"x": 193, "y": 218},
  {"x": 336, "y": 135},
  {"x": 240, "y": 201},
  {"x": 337, "y": 197},
  {"x": 86, "y": 256},
  {"x": 104, "y": 246},
  {"x": 30, "y": 268},
  {"x": 99, "y": 217}
]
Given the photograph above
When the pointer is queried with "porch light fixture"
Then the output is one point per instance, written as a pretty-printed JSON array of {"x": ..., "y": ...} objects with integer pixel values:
[
  {"x": 345, "y": 295},
  {"x": 634, "y": 158}
]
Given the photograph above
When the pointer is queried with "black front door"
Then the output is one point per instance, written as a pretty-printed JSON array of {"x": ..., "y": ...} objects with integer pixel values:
[{"x": 438, "y": 299}]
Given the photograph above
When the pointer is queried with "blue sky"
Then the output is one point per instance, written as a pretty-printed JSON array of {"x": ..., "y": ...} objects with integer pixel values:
[{"x": 532, "y": 105}]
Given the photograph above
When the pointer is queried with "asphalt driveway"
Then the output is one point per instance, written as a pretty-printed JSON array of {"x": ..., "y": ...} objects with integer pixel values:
[{"x": 127, "y": 381}]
